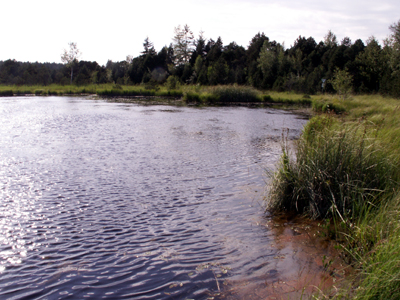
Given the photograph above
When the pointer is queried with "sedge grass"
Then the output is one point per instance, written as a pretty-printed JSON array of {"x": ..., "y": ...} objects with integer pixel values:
[
  {"x": 347, "y": 168},
  {"x": 335, "y": 171},
  {"x": 222, "y": 94},
  {"x": 381, "y": 266}
]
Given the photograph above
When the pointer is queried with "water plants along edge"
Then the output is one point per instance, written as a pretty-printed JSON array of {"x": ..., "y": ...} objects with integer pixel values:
[
  {"x": 345, "y": 169},
  {"x": 191, "y": 94}
]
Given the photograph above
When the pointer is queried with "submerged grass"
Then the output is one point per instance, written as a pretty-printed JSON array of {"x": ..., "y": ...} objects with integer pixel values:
[{"x": 346, "y": 168}]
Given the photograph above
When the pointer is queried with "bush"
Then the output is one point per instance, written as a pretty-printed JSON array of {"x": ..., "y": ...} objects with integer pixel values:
[{"x": 172, "y": 82}]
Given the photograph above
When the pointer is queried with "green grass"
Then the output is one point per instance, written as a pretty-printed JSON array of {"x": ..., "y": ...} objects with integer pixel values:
[
  {"x": 288, "y": 98},
  {"x": 338, "y": 170},
  {"x": 346, "y": 168},
  {"x": 222, "y": 94},
  {"x": 106, "y": 90},
  {"x": 380, "y": 273},
  {"x": 49, "y": 90},
  {"x": 192, "y": 94}
]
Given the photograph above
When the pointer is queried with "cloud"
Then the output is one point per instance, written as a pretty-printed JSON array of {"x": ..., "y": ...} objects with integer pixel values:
[{"x": 39, "y": 30}]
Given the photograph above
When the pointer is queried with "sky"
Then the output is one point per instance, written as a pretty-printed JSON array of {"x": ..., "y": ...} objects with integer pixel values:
[{"x": 111, "y": 30}]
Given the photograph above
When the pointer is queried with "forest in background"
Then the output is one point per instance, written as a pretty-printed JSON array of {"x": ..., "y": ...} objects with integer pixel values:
[{"x": 306, "y": 67}]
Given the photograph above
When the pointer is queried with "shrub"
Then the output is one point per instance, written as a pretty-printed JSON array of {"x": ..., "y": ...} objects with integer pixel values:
[{"x": 172, "y": 82}]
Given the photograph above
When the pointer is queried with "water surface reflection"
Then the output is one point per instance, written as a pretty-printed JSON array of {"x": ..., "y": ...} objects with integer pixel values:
[{"x": 111, "y": 200}]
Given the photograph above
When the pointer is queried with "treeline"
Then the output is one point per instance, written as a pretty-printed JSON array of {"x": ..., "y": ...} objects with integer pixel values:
[
  {"x": 305, "y": 67},
  {"x": 13, "y": 72}
]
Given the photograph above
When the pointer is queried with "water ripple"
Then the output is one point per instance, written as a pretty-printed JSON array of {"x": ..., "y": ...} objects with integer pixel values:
[{"x": 101, "y": 201}]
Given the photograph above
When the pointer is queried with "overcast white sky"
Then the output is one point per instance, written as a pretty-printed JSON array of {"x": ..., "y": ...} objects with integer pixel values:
[{"x": 39, "y": 30}]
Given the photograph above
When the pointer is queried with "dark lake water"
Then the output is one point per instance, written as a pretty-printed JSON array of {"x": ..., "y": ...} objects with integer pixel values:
[{"x": 125, "y": 201}]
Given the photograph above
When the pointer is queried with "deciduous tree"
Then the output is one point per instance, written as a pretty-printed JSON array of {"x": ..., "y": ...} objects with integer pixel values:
[
  {"x": 395, "y": 45},
  {"x": 69, "y": 57},
  {"x": 342, "y": 82},
  {"x": 183, "y": 44},
  {"x": 330, "y": 39}
]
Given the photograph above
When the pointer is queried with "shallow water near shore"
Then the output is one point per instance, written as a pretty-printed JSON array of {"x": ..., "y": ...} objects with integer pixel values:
[{"x": 119, "y": 200}]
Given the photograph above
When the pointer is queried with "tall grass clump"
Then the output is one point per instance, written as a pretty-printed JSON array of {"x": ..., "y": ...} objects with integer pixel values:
[
  {"x": 125, "y": 93},
  {"x": 282, "y": 98},
  {"x": 324, "y": 106},
  {"x": 380, "y": 271},
  {"x": 222, "y": 94},
  {"x": 336, "y": 171},
  {"x": 201, "y": 98},
  {"x": 235, "y": 94},
  {"x": 6, "y": 93}
]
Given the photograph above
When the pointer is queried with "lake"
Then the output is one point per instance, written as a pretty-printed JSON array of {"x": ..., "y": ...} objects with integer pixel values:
[{"x": 128, "y": 201}]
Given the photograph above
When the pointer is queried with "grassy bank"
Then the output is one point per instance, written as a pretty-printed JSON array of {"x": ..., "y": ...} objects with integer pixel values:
[
  {"x": 346, "y": 168},
  {"x": 191, "y": 94},
  {"x": 107, "y": 90}
]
